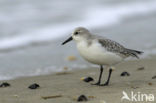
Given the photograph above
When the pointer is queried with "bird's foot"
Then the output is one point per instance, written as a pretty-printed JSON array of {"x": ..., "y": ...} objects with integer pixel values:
[
  {"x": 105, "y": 84},
  {"x": 98, "y": 83}
]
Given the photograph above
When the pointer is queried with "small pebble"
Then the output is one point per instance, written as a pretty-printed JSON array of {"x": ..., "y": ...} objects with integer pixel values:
[
  {"x": 149, "y": 83},
  {"x": 82, "y": 98},
  {"x": 134, "y": 87},
  {"x": 125, "y": 74},
  {"x": 154, "y": 77},
  {"x": 71, "y": 58},
  {"x": 34, "y": 86},
  {"x": 91, "y": 97},
  {"x": 5, "y": 84},
  {"x": 87, "y": 79},
  {"x": 65, "y": 68},
  {"x": 16, "y": 96},
  {"x": 141, "y": 68}
]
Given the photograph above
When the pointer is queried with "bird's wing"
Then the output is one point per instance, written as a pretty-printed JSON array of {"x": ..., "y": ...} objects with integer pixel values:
[
  {"x": 111, "y": 46},
  {"x": 117, "y": 48}
]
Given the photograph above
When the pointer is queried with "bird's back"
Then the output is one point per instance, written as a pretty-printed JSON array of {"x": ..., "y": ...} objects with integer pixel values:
[{"x": 115, "y": 47}]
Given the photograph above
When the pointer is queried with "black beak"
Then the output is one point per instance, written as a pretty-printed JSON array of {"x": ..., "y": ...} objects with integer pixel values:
[{"x": 68, "y": 40}]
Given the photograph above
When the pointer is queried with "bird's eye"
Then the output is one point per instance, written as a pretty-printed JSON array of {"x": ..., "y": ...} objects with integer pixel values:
[{"x": 76, "y": 33}]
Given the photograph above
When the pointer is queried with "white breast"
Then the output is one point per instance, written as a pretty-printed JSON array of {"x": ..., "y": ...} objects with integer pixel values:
[{"x": 97, "y": 54}]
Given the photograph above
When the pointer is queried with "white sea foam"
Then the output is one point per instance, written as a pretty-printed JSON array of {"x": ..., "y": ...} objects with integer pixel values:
[
  {"x": 41, "y": 71},
  {"x": 93, "y": 17}
]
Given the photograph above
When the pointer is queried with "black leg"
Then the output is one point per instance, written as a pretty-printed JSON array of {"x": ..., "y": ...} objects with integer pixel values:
[
  {"x": 109, "y": 76},
  {"x": 101, "y": 71}
]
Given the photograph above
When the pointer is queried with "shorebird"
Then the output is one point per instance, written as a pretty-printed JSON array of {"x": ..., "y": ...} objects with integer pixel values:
[{"x": 100, "y": 50}]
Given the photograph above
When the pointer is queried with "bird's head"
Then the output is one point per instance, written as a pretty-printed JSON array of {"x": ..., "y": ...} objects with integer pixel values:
[{"x": 78, "y": 34}]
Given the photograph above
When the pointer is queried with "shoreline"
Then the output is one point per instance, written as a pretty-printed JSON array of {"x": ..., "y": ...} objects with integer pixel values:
[
  {"x": 69, "y": 85},
  {"x": 37, "y": 58}
]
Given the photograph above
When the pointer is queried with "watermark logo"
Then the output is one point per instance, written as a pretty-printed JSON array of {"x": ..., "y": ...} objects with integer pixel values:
[{"x": 137, "y": 97}]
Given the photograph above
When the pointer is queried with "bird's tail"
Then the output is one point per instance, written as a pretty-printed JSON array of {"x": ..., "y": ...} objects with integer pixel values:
[{"x": 134, "y": 53}]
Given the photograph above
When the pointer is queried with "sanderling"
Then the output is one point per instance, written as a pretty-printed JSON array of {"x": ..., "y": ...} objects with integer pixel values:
[{"x": 100, "y": 50}]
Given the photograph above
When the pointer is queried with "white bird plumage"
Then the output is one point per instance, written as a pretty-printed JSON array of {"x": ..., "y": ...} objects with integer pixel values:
[{"x": 96, "y": 54}]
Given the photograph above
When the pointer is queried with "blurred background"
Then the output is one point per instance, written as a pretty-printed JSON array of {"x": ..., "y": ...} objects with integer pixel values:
[{"x": 31, "y": 31}]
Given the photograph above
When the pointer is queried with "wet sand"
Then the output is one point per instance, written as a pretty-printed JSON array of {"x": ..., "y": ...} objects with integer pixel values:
[{"x": 69, "y": 85}]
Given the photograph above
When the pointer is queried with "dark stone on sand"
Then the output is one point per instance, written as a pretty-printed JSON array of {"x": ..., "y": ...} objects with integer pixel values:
[
  {"x": 34, "y": 86},
  {"x": 154, "y": 77},
  {"x": 88, "y": 79},
  {"x": 5, "y": 84},
  {"x": 82, "y": 98},
  {"x": 125, "y": 74}
]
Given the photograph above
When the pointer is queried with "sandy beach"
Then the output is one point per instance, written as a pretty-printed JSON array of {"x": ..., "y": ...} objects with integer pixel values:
[{"x": 69, "y": 86}]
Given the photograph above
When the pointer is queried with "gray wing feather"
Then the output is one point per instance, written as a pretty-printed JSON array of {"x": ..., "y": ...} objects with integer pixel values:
[{"x": 115, "y": 47}]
